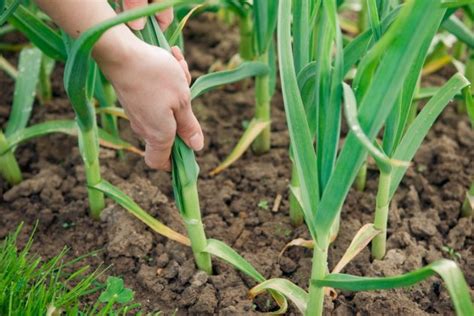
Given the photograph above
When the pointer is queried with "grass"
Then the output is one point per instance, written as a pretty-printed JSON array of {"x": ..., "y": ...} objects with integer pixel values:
[{"x": 32, "y": 286}]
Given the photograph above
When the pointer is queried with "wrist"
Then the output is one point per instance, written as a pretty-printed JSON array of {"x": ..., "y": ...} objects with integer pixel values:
[{"x": 115, "y": 48}]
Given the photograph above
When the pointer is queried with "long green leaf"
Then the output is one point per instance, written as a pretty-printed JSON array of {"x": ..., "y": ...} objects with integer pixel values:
[
  {"x": 446, "y": 269},
  {"x": 329, "y": 78},
  {"x": 301, "y": 138},
  {"x": 419, "y": 128},
  {"x": 359, "y": 46},
  {"x": 68, "y": 127},
  {"x": 39, "y": 33},
  {"x": 221, "y": 250},
  {"x": 213, "y": 80},
  {"x": 25, "y": 89},
  {"x": 265, "y": 19},
  {"x": 294, "y": 293},
  {"x": 455, "y": 26},
  {"x": 6, "y": 11},
  {"x": 415, "y": 26},
  {"x": 384, "y": 162},
  {"x": 126, "y": 202}
]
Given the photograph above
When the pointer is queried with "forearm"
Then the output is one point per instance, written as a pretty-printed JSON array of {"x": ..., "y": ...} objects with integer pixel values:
[{"x": 76, "y": 16}]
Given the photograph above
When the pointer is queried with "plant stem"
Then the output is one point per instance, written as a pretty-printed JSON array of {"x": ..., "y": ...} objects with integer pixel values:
[
  {"x": 381, "y": 215},
  {"x": 90, "y": 154},
  {"x": 195, "y": 228},
  {"x": 361, "y": 178},
  {"x": 296, "y": 213},
  {"x": 261, "y": 144},
  {"x": 44, "y": 83},
  {"x": 246, "y": 37},
  {"x": 467, "y": 206},
  {"x": 319, "y": 269},
  {"x": 9, "y": 168}
]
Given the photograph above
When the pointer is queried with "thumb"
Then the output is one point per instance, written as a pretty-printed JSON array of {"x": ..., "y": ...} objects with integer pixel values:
[{"x": 188, "y": 127}]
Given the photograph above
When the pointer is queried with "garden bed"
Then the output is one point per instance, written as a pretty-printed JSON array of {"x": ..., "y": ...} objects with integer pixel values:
[{"x": 423, "y": 220}]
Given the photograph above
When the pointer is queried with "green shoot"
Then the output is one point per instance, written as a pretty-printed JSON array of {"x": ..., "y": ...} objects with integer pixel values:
[
  {"x": 33, "y": 286},
  {"x": 23, "y": 99}
]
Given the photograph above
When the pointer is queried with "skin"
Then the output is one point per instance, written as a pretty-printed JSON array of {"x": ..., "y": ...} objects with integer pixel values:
[{"x": 152, "y": 85}]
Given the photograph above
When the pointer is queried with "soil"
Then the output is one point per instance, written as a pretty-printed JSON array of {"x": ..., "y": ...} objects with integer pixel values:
[{"x": 424, "y": 215}]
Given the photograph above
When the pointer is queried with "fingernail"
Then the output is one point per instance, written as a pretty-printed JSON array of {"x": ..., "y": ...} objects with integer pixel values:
[
  {"x": 196, "y": 141},
  {"x": 138, "y": 24}
]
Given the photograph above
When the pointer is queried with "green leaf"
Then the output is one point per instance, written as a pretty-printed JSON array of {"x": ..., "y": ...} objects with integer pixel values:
[
  {"x": 265, "y": 19},
  {"x": 294, "y": 293},
  {"x": 173, "y": 39},
  {"x": 329, "y": 79},
  {"x": 67, "y": 127},
  {"x": 39, "y": 33},
  {"x": 210, "y": 81},
  {"x": 446, "y": 269},
  {"x": 301, "y": 138},
  {"x": 6, "y": 11},
  {"x": 221, "y": 250},
  {"x": 398, "y": 51},
  {"x": 417, "y": 131},
  {"x": 359, "y": 46},
  {"x": 126, "y": 202},
  {"x": 456, "y": 27},
  {"x": 25, "y": 89},
  {"x": 116, "y": 292},
  {"x": 350, "y": 105}
]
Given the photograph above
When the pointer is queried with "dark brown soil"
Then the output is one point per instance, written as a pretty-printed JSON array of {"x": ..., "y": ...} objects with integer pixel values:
[{"x": 424, "y": 214}]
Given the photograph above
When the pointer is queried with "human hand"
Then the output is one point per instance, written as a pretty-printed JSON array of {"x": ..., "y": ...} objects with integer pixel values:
[
  {"x": 153, "y": 87},
  {"x": 164, "y": 18}
]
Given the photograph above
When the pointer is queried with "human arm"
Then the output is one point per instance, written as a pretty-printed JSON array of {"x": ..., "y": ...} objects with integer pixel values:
[{"x": 151, "y": 84}]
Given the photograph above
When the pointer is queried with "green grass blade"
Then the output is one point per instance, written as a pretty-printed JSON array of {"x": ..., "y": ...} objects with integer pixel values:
[
  {"x": 294, "y": 293},
  {"x": 350, "y": 105},
  {"x": 68, "y": 127},
  {"x": 419, "y": 128},
  {"x": 265, "y": 19},
  {"x": 359, "y": 46},
  {"x": 446, "y": 269},
  {"x": 455, "y": 26},
  {"x": 221, "y": 250},
  {"x": 6, "y": 11},
  {"x": 39, "y": 33},
  {"x": 25, "y": 89},
  {"x": 307, "y": 86},
  {"x": 126, "y": 202},
  {"x": 301, "y": 138},
  {"x": 210, "y": 81},
  {"x": 469, "y": 102},
  {"x": 301, "y": 34},
  {"x": 328, "y": 97},
  {"x": 173, "y": 39},
  {"x": 415, "y": 26},
  {"x": 374, "y": 19}
]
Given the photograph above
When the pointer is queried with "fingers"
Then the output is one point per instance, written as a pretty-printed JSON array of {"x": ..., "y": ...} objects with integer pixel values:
[
  {"x": 133, "y": 4},
  {"x": 188, "y": 127},
  {"x": 176, "y": 51},
  {"x": 165, "y": 18},
  {"x": 159, "y": 144}
]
